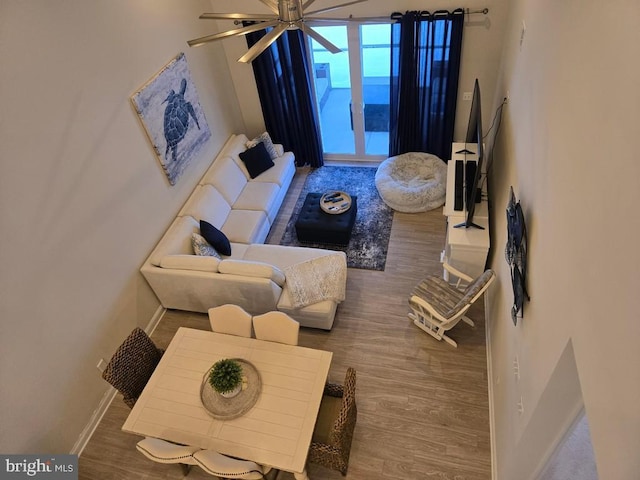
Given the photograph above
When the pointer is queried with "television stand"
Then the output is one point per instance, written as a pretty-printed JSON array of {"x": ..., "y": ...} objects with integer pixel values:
[
  {"x": 468, "y": 152},
  {"x": 471, "y": 225},
  {"x": 465, "y": 248}
]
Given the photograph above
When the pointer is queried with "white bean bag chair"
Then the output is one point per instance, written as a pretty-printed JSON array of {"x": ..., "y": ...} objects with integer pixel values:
[{"x": 412, "y": 182}]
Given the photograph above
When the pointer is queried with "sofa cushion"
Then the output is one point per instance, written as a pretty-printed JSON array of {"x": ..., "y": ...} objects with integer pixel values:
[
  {"x": 176, "y": 240},
  {"x": 264, "y": 138},
  {"x": 227, "y": 177},
  {"x": 235, "y": 145},
  {"x": 281, "y": 173},
  {"x": 246, "y": 226},
  {"x": 208, "y": 204},
  {"x": 256, "y": 159},
  {"x": 202, "y": 247},
  {"x": 262, "y": 196},
  {"x": 215, "y": 237},
  {"x": 233, "y": 148},
  {"x": 283, "y": 256},
  {"x": 238, "y": 250},
  {"x": 252, "y": 269},
  {"x": 190, "y": 262}
]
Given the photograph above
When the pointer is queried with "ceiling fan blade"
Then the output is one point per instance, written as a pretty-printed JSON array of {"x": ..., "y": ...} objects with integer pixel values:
[
  {"x": 324, "y": 21},
  {"x": 230, "y": 33},
  {"x": 273, "y": 6},
  {"x": 237, "y": 16},
  {"x": 262, "y": 44},
  {"x": 320, "y": 39},
  {"x": 321, "y": 22},
  {"x": 328, "y": 9},
  {"x": 307, "y": 4}
]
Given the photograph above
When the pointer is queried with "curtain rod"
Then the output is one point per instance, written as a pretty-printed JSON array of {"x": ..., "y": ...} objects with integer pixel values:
[
  {"x": 426, "y": 13},
  {"x": 483, "y": 11},
  {"x": 398, "y": 15}
]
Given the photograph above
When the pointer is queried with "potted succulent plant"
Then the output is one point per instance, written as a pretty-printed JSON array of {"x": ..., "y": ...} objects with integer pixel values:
[{"x": 226, "y": 377}]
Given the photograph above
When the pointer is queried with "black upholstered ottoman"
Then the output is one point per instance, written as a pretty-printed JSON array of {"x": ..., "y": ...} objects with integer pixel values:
[{"x": 316, "y": 226}]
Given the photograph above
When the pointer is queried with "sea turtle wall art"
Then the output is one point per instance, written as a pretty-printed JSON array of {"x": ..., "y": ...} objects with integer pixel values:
[{"x": 170, "y": 111}]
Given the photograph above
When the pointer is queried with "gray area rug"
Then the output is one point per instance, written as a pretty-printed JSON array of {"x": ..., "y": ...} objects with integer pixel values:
[{"x": 370, "y": 237}]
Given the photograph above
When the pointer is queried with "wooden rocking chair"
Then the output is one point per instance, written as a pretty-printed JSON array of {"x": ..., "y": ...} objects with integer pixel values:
[{"x": 437, "y": 306}]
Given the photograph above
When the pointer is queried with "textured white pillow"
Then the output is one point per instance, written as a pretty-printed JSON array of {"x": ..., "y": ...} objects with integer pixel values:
[
  {"x": 252, "y": 269},
  {"x": 266, "y": 139},
  {"x": 202, "y": 247}
]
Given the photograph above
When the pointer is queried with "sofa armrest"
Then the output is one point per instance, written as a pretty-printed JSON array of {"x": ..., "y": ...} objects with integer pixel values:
[
  {"x": 252, "y": 269},
  {"x": 190, "y": 262},
  {"x": 176, "y": 240}
]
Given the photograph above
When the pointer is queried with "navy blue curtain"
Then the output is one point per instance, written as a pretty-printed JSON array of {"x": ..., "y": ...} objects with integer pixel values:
[
  {"x": 284, "y": 85},
  {"x": 425, "y": 63}
]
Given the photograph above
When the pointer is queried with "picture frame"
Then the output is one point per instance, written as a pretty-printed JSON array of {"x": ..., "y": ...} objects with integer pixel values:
[{"x": 169, "y": 108}]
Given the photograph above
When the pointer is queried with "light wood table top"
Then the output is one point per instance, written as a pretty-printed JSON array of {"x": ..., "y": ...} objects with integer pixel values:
[{"x": 276, "y": 432}]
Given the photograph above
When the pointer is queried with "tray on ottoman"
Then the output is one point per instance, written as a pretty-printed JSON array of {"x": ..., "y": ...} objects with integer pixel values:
[{"x": 316, "y": 226}]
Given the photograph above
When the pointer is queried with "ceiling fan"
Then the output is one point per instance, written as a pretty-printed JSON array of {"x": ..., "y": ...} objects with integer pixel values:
[{"x": 287, "y": 15}]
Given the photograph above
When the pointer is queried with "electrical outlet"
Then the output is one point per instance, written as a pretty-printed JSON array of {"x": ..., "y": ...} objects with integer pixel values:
[
  {"x": 102, "y": 365},
  {"x": 516, "y": 368},
  {"x": 466, "y": 96},
  {"x": 506, "y": 97}
]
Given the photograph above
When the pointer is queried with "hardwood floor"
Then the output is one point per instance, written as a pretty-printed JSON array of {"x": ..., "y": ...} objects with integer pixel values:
[{"x": 423, "y": 409}]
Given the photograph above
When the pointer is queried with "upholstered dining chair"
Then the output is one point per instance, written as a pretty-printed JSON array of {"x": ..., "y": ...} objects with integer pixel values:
[
  {"x": 231, "y": 319},
  {"x": 162, "y": 451},
  {"x": 132, "y": 365},
  {"x": 437, "y": 305},
  {"x": 215, "y": 463},
  {"x": 276, "y": 327},
  {"x": 333, "y": 432}
]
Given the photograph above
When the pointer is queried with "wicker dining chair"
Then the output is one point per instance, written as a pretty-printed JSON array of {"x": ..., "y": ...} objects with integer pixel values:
[
  {"x": 132, "y": 365},
  {"x": 333, "y": 432}
]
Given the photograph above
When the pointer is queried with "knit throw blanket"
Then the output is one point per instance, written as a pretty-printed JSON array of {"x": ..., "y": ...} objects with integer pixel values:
[{"x": 322, "y": 278}]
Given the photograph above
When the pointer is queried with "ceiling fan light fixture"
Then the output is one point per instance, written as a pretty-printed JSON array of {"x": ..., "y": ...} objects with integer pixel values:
[
  {"x": 290, "y": 10},
  {"x": 290, "y": 16}
]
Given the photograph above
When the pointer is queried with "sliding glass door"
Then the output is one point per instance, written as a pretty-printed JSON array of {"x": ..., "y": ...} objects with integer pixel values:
[{"x": 352, "y": 90}]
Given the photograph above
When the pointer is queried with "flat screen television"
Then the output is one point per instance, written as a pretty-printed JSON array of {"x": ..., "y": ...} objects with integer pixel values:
[{"x": 474, "y": 135}]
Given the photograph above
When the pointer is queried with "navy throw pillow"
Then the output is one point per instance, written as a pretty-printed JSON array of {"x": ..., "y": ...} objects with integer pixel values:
[
  {"x": 215, "y": 237},
  {"x": 257, "y": 159}
]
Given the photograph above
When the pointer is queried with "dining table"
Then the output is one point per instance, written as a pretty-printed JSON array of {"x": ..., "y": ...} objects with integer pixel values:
[{"x": 276, "y": 428}]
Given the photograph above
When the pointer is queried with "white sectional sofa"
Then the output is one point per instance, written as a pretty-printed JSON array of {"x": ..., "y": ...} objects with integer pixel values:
[{"x": 253, "y": 275}]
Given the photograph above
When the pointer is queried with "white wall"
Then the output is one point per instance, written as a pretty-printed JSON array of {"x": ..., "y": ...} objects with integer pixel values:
[
  {"x": 83, "y": 199},
  {"x": 482, "y": 40},
  {"x": 567, "y": 147}
]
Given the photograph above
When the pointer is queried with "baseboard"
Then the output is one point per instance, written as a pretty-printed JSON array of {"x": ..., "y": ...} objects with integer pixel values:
[
  {"x": 94, "y": 421},
  {"x": 155, "y": 320},
  {"x": 557, "y": 442},
  {"x": 492, "y": 417},
  {"x": 109, "y": 395}
]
